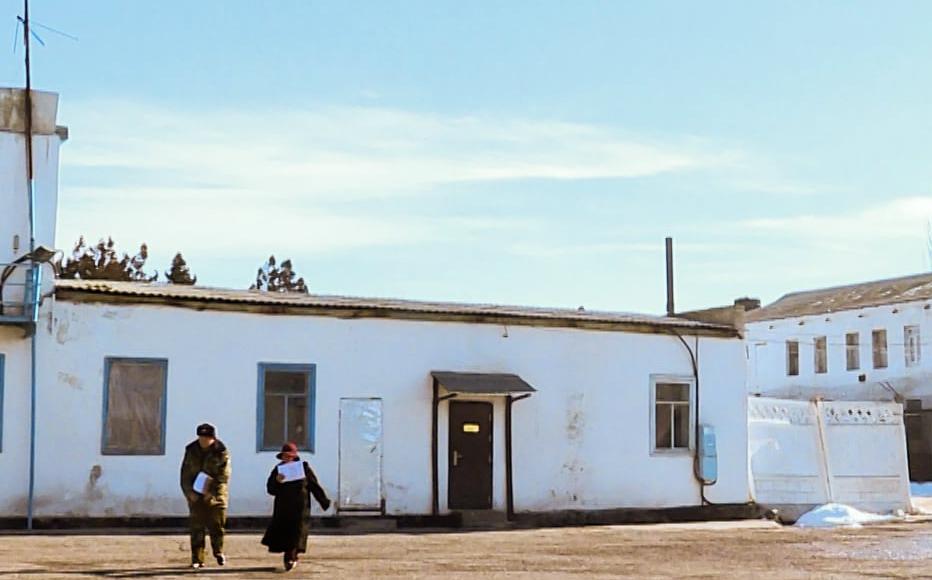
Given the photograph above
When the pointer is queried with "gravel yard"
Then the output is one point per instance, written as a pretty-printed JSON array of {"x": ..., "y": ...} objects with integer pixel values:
[{"x": 734, "y": 550}]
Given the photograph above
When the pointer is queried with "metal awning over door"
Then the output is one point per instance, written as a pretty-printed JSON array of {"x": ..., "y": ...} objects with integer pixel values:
[
  {"x": 510, "y": 386},
  {"x": 482, "y": 383}
]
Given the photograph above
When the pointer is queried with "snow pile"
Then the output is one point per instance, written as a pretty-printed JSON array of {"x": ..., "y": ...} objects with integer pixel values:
[
  {"x": 836, "y": 514},
  {"x": 920, "y": 489}
]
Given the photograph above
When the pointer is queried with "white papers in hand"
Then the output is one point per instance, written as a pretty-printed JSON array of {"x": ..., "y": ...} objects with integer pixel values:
[
  {"x": 200, "y": 482},
  {"x": 293, "y": 470}
]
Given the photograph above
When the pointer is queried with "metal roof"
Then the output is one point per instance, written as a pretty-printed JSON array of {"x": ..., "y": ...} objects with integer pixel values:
[
  {"x": 850, "y": 297},
  {"x": 343, "y": 306},
  {"x": 482, "y": 383}
]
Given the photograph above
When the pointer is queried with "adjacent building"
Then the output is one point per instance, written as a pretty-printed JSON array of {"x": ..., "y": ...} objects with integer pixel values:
[{"x": 860, "y": 342}]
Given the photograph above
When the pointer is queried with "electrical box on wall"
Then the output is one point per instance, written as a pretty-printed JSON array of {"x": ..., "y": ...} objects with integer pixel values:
[{"x": 708, "y": 455}]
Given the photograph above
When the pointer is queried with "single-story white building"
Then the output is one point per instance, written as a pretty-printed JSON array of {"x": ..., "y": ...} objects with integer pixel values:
[{"x": 403, "y": 407}]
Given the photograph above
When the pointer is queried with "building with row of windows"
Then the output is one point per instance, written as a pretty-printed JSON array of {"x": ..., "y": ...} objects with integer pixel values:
[{"x": 860, "y": 342}]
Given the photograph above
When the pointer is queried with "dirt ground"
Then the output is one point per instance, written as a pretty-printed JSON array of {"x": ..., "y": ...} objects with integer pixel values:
[{"x": 737, "y": 550}]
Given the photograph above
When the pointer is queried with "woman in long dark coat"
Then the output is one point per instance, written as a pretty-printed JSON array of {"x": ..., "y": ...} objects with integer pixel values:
[{"x": 291, "y": 516}]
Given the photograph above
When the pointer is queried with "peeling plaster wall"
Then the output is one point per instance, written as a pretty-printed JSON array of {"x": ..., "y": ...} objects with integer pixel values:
[{"x": 581, "y": 442}]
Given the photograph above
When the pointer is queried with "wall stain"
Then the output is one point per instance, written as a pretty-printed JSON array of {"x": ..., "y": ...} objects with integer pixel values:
[
  {"x": 69, "y": 379},
  {"x": 91, "y": 491},
  {"x": 575, "y": 418},
  {"x": 61, "y": 335}
]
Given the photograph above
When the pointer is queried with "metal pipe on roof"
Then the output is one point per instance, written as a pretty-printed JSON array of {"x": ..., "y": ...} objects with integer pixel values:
[{"x": 670, "y": 309}]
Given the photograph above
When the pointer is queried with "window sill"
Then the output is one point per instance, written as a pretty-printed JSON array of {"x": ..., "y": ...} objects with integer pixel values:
[{"x": 671, "y": 453}]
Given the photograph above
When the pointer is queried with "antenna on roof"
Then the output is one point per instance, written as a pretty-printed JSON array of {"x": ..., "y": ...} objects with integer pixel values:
[{"x": 21, "y": 20}]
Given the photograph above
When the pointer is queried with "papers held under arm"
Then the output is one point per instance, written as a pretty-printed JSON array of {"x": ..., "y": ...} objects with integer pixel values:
[
  {"x": 293, "y": 470},
  {"x": 201, "y": 482}
]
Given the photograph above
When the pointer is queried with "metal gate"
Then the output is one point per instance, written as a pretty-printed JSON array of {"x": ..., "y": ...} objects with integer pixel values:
[{"x": 360, "y": 455}]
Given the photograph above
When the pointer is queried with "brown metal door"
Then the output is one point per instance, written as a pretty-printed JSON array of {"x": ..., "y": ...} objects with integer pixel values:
[
  {"x": 470, "y": 458},
  {"x": 918, "y": 450}
]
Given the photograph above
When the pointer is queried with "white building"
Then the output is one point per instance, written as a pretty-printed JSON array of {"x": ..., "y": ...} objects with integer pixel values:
[
  {"x": 403, "y": 408},
  {"x": 862, "y": 342}
]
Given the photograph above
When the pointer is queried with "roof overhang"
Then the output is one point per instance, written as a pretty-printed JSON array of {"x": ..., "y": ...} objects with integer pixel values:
[{"x": 485, "y": 384}]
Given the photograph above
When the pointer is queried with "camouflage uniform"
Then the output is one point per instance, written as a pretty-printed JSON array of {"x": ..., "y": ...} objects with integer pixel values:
[{"x": 208, "y": 511}]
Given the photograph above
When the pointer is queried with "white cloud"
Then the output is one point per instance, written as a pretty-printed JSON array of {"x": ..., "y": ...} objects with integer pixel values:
[
  {"x": 902, "y": 218},
  {"x": 337, "y": 152},
  {"x": 228, "y": 181}
]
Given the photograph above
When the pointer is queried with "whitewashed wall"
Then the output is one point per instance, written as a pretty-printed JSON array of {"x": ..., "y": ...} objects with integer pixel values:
[
  {"x": 14, "y": 199},
  {"x": 581, "y": 442},
  {"x": 766, "y": 342},
  {"x": 14, "y": 423}
]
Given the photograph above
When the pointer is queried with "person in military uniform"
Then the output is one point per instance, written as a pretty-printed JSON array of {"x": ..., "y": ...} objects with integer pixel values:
[{"x": 205, "y": 475}]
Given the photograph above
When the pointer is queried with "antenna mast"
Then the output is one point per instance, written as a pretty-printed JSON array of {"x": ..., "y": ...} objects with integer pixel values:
[{"x": 28, "y": 125}]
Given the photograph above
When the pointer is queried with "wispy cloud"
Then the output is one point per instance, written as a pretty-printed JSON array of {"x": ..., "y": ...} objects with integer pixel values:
[
  {"x": 233, "y": 180},
  {"x": 902, "y": 218},
  {"x": 337, "y": 152}
]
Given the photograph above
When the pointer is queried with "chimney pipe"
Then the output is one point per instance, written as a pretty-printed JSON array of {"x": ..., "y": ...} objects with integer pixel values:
[{"x": 670, "y": 309}]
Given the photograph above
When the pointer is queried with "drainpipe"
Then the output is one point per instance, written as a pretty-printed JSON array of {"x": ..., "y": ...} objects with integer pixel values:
[
  {"x": 37, "y": 282},
  {"x": 694, "y": 359},
  {"x": 509, "y": 478}
]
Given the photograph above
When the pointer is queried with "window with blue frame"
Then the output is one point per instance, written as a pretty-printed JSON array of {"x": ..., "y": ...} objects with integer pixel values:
[
  {"x": 286, "y": 406},
  {"x": 135, "y": 392}
]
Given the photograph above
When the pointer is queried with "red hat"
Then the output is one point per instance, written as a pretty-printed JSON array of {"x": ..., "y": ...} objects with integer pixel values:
[{"x": 289, "y": 452}]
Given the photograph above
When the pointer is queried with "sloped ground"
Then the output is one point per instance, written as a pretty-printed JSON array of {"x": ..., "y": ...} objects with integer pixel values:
[{"x": 735, "y": 550}]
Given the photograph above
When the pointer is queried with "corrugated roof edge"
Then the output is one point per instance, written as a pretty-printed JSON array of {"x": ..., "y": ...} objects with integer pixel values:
[
  {"x": 777, "y": 310},
  {"x": 352, "y": 307}
]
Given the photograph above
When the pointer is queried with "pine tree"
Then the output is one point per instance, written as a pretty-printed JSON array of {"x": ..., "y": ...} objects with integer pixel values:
[
  {"x": 179, "y": 273},
  {"x": 274, "y": 278},
  {"x": 101, "y": 262}
]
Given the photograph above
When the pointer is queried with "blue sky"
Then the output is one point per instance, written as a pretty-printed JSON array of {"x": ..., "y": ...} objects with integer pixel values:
[{"x": 521, "y": 152}]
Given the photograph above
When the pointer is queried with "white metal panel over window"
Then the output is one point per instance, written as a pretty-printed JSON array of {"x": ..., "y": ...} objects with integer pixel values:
[
  {"x": 360, "y": 476},
  {"x": 672, "y": 423}
]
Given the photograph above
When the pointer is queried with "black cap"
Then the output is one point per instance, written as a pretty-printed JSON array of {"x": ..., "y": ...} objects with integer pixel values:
[{"x": 206, "y": 430}]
